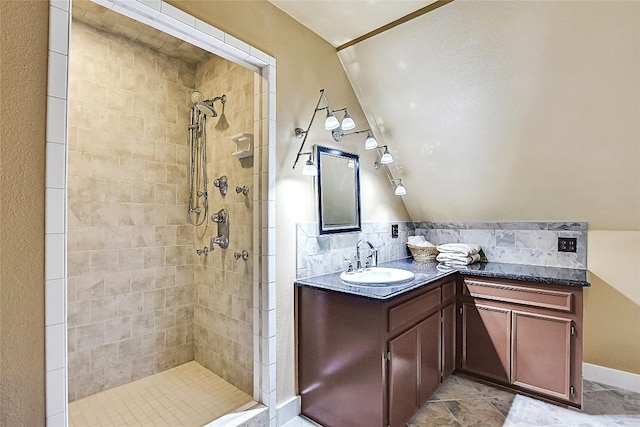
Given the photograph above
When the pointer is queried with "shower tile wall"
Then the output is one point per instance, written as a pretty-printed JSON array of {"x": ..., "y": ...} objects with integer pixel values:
[
  {"x": 130, "y": 264},
  {"x": 224, "y": 295}
]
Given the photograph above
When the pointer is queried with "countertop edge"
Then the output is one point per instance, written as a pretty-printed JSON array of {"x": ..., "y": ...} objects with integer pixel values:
[
  {"x": 332, "y": 283},
  {"x": 525, "y": 278}
]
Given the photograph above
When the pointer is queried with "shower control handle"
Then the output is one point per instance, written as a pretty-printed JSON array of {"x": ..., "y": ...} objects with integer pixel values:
[
  {"x": 220, "y": 217},
  {"x": 222, "y": 183},
  {"x": 204, "y": 251},
  {"x": 244, "y": 190},
  {"x": 221, "y": 241},
  {"x": 244, "y": 255}
]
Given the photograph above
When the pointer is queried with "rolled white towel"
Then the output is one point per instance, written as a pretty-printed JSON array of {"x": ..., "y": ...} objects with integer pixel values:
[
  {"x": 465, "y": 249},
  {"x": 457, "y": 259},
  {"x": 419, "y": 241}
]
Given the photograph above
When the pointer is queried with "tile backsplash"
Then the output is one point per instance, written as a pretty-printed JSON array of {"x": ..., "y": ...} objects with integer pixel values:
[
  {"x": 531, "y": 243},
  {"x": 322, "y": 254}
]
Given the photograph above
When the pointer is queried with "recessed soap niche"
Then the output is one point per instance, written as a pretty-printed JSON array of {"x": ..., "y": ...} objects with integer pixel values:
[{"x": 244, "y": 145}]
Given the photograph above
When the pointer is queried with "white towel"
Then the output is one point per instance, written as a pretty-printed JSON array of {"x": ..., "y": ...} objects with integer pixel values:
[
  {"x": 419, "y": 241},
  {"x": 465, "y": 249},
  {"x": 457, "y": 259}
]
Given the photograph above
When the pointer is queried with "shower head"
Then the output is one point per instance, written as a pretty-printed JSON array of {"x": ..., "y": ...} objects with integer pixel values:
[{"x": 206, "y": 108}]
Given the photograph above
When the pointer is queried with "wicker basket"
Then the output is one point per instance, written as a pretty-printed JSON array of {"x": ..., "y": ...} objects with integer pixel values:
[{"x": 421, "y": 253}]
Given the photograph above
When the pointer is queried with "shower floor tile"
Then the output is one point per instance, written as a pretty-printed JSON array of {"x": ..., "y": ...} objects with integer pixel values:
[{"x": 187, "y": 395}]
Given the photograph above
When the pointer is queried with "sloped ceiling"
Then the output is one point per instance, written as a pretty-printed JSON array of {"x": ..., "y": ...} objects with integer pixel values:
[
  {"x": 510, "y": 110},
  {"x": 339, "y": 22},
  {"x": 498, "y": 111}
]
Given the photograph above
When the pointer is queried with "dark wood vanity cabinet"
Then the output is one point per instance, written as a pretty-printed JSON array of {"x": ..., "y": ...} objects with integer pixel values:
[
  {"x": 524, "y": 335},
  {"x": 366, "y": 362},
  {"x": 363, "y": 362}
]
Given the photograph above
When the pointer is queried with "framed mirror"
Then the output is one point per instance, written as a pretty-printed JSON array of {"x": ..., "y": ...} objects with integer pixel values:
[{"x": 338, "y": 191}]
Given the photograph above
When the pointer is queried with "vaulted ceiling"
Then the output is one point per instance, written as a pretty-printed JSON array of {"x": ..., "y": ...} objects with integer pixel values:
[
  {"x": 498, "y": 110},
  {"x": 339, "y": 22}
]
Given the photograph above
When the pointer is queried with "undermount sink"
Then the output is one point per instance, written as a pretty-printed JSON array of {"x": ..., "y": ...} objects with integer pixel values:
[{"x": 377, "y": 276}]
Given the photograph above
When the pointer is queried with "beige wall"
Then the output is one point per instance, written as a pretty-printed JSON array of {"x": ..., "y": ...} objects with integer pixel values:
[
  {"x": 23, "y": 79},
  {"x": 523, "y": 111},
  {"x": 612, "y": 304},
  {"x": 305, "y": 64},
  {"x": 224, "y": 304},
  {"x": 130, "y": 250}
]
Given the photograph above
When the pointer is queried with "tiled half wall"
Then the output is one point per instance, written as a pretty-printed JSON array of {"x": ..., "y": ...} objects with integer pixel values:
[
  {"x": 531, "y": 243},
  {"x": 323, "y": 254}
]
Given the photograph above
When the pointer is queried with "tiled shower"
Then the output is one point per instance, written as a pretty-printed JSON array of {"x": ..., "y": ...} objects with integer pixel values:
[{"x": 140, "y": 301}]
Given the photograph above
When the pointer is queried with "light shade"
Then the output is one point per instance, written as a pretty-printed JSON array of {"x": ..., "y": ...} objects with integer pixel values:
[
  {"x": 386, "y": 157},
  {"x": 370, "y": 143},
  {"x": 400, "y": 190},
  {"x": 331, "y": 122},
  {"x": 347, "y": 122},
  {"x": 309, "y": 168}
]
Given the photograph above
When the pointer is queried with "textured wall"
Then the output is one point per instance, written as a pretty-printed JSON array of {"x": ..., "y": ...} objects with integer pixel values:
[
  {"x": 507, "y": 111},
  {"x": 130, "y": 250},
  {"x": 612, "y": 304},
  {"x": 224, "y": 304},
  {"x": 525, "y": 111},
  {"x": 23, "y": 78}
]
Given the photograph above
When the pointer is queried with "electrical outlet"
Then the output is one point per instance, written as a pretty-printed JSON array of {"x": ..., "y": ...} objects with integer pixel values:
[
  {"x": 567, "y": 244},
  {"x": 394, "y": 231}
]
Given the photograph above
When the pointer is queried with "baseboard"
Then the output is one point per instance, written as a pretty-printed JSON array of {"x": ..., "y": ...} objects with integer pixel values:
[
  {"x": 621, "y": 379},
  {"x": 288, "y": 411}
]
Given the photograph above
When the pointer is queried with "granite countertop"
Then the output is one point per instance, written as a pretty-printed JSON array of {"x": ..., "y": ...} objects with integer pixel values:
[{"x": 430, "y": 272}]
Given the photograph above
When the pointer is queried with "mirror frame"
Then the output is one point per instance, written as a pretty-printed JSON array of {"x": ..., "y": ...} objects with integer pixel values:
[{"x": 322, "y": 227}]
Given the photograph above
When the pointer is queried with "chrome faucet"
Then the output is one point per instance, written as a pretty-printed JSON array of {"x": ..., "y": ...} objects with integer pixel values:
[{"x": 371, "y": 260}]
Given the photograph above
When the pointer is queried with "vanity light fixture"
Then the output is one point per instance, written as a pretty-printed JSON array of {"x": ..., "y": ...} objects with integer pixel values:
[
  {"x": 347, "y": 122},
  {"x": 309, "y": 168},
  {"x": 386, "y": 157},
  {"x": 400, "y": 190},
  {"x": 370, "y": 143},
  {"x": 396, "y": 183},
  {"x": 331, "y": 123}
]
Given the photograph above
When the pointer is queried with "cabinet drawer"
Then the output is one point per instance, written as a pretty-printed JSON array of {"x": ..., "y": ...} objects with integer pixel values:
[
  {"x": 406, "y": 313},
  {"x": 534, "y": 297}
]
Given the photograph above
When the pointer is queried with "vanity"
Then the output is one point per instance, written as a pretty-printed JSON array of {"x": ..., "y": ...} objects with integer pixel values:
[{"x": 372, "y": 355}]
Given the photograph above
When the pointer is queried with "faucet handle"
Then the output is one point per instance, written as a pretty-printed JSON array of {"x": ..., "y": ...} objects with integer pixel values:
[
  {"x": 372, "y": 259},
  {"x": 349, "y": 265},
  {"x": 367, "y": 263}
]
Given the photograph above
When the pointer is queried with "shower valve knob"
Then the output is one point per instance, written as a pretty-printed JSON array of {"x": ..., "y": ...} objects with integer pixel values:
[
  {"x": 244, "y": 190},
  {"x": 204, "y": 251},
  {"x": 220, "y": 217},
  {"x": 222, "y": 183},
  {"x": 244, "y": 255}
]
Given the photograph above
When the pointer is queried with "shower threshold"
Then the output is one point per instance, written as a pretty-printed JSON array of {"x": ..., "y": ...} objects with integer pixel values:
[{"x": 187, "y": 395}]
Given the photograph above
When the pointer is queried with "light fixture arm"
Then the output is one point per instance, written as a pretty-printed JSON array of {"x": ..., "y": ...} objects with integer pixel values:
[
  {"x": 304, "y": 133},
  {"x": 379, "y": 165},
  {"x": 338, "y": 134}
]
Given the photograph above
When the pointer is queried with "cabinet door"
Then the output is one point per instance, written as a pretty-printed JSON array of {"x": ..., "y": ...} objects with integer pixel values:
[
  {"x": 403, "y": 377},
  {"x": 486, "y": 341},
  {"x": 541, "y": 354},
  {"x": 429, "y": 357},
  {"x": 448, "y": 340}
]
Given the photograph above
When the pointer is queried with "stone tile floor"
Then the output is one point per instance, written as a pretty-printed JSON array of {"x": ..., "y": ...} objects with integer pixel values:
[{"x": 463, "y": 401}]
